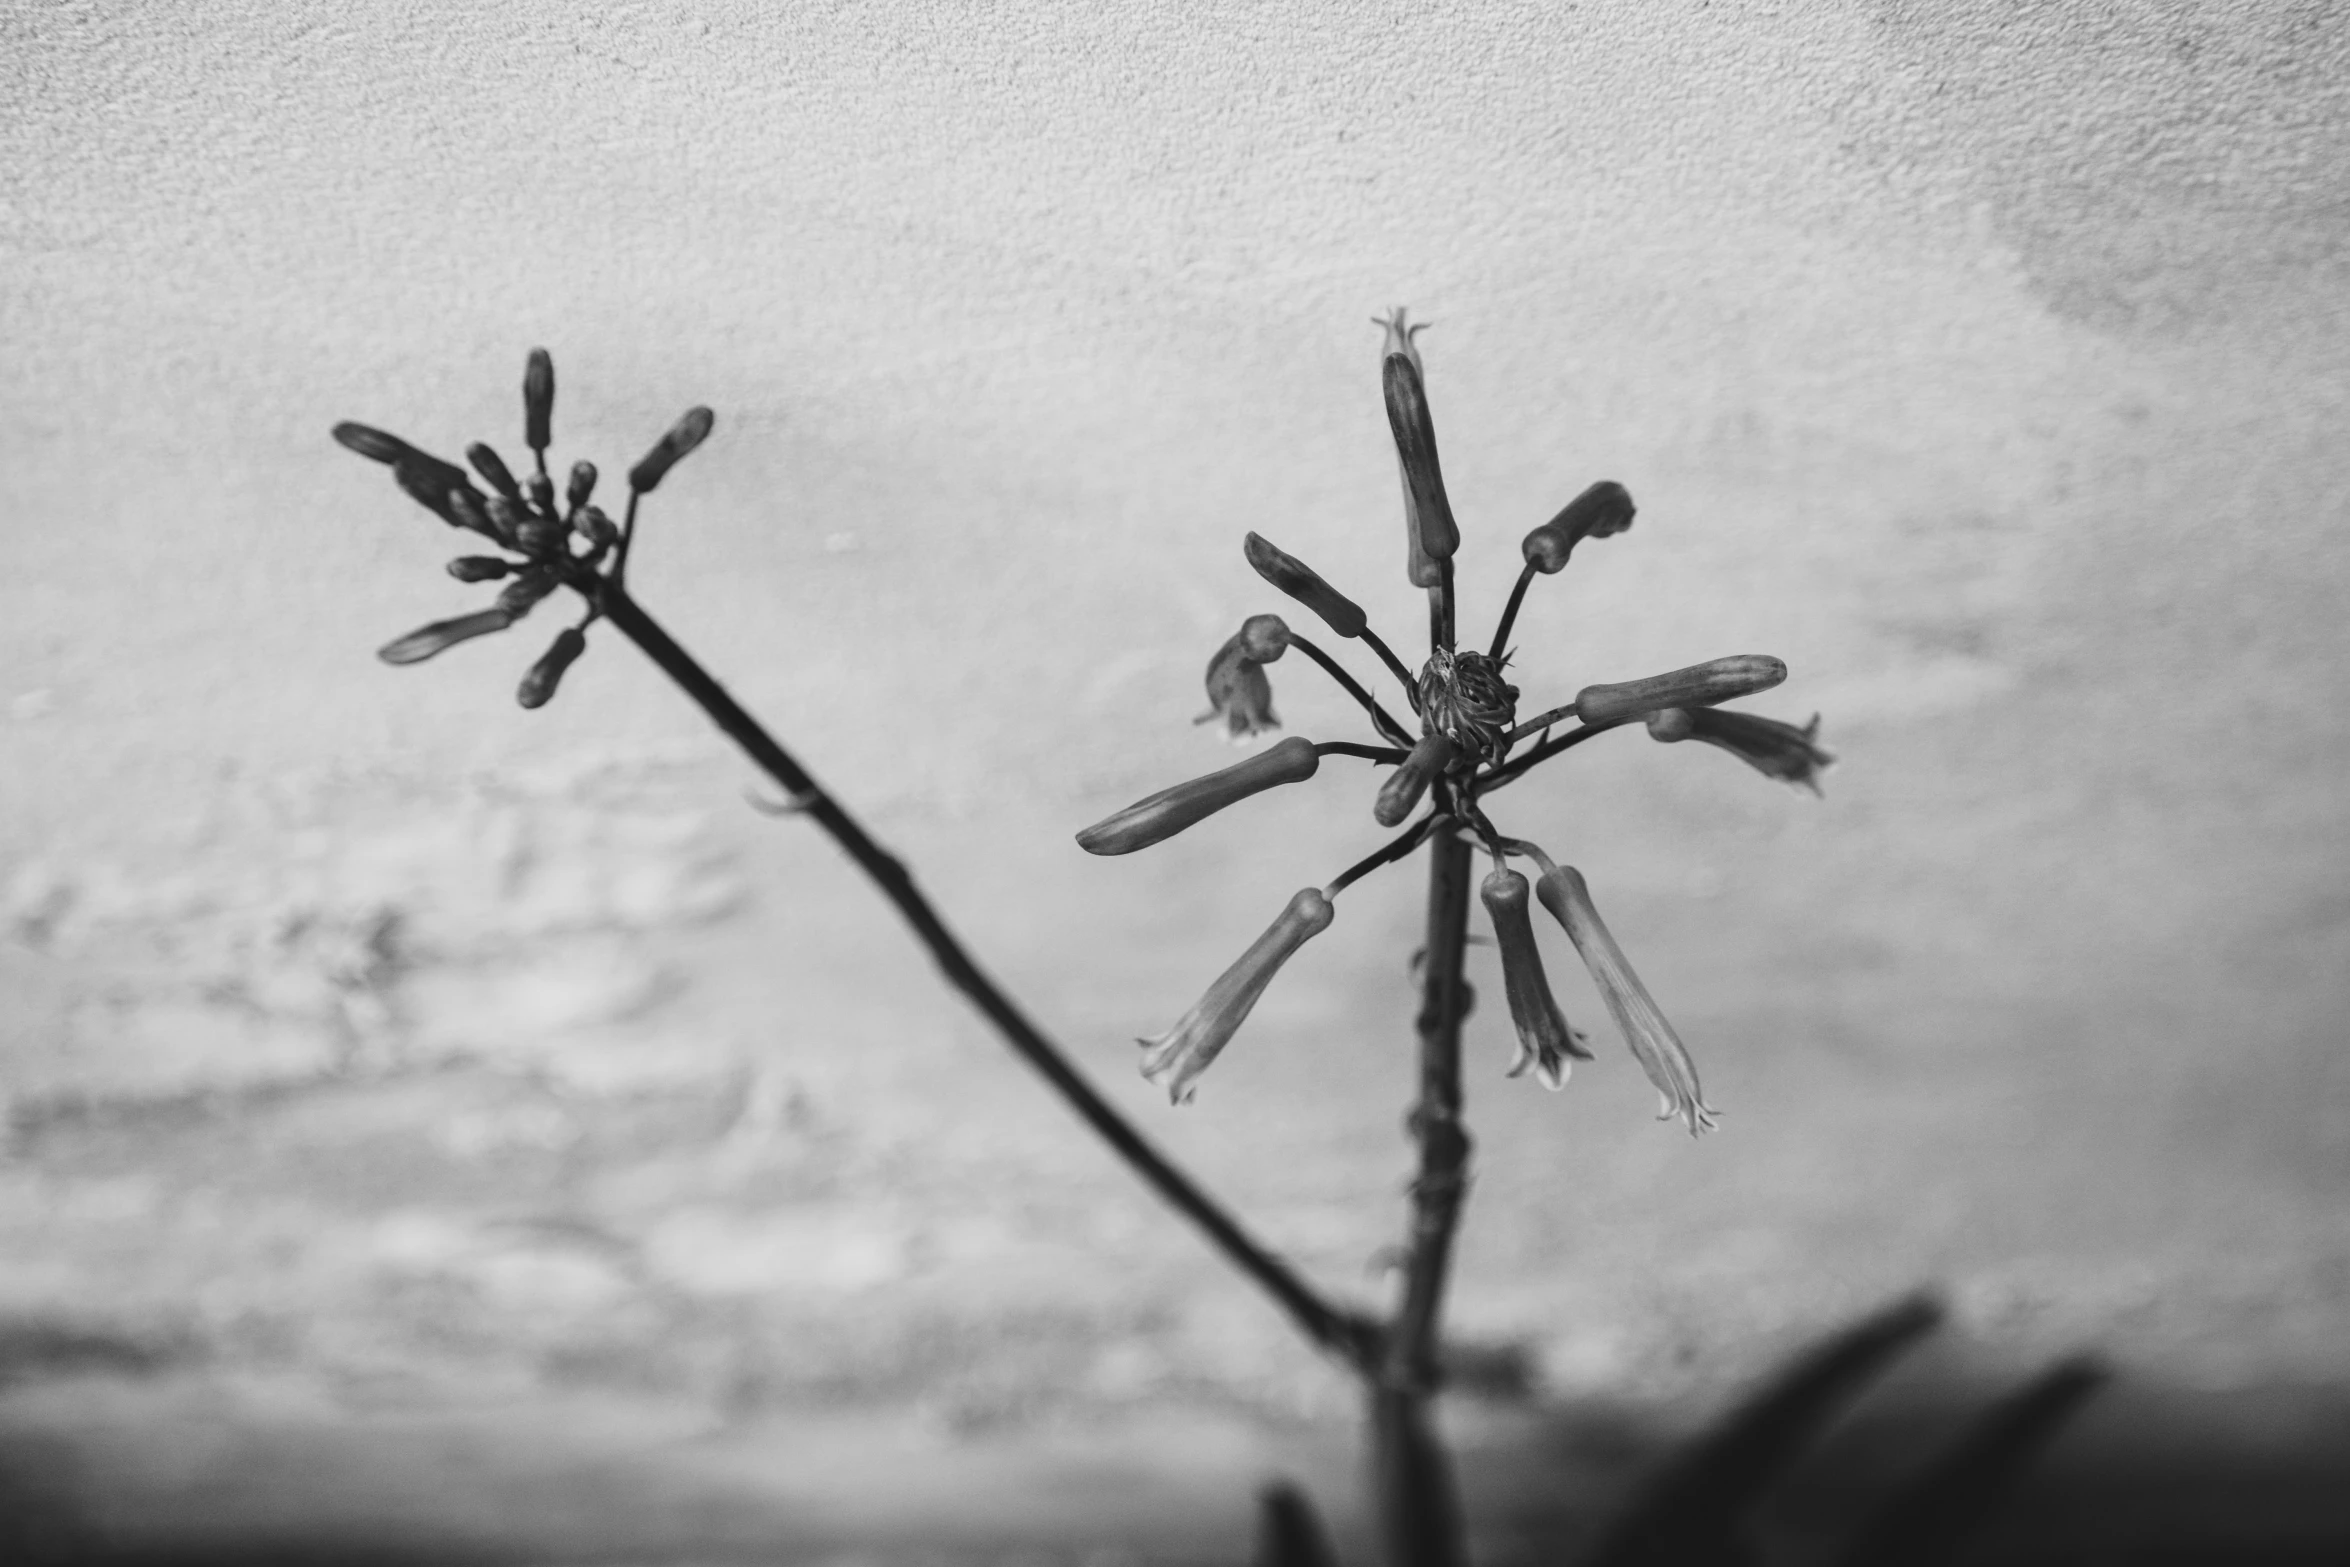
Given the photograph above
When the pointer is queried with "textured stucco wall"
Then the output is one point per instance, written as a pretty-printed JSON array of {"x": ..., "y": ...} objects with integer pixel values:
[{"x": 1984, "y": 361}]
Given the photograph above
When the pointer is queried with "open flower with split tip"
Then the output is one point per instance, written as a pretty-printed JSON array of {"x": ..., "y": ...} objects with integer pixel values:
[
  {"x": 1177, "y": 1057},
  {"x": 1774, "y": 749},
  {"x": 1239, "y": 692},
  {"x": 1654, "y": 1044},
  {"x": 548, "y": 544},
  {"x": 1457, "y": 742},
  {"x": 1546, "y": 1041}
]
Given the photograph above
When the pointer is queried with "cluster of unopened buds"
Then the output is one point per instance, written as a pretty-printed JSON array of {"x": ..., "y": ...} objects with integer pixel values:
[
  {"x": 1455, "y": 753},
  {"x": 548, "y": 545}
]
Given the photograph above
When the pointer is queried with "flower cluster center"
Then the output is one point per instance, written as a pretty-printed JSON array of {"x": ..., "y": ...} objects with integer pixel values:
[{"x": 1464, "y": 698}]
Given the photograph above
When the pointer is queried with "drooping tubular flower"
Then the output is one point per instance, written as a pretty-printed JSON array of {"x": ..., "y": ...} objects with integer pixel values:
[
  {"x": 1447, "y": 756},
  {"x": 1654, "y": 1044},
  {"x": 1546, "y": 1041},
  {"x": 1239, "y": 692},
  {"x": 1774, "y": 749},
  {"x": 1177, "y": 1057}
]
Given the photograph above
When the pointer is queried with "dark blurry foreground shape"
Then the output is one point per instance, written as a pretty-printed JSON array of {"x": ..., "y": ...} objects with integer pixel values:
[{"x": 1289, "y": 1531}]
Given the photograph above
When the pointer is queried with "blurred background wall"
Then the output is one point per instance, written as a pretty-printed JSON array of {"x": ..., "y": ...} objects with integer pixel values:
[{"x": 1983, "y": 361}]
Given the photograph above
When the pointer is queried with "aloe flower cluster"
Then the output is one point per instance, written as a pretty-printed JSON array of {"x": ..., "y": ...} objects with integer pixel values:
[
  {"x": 544, "y": 542},
  {"x": 1453, "y": 751}
]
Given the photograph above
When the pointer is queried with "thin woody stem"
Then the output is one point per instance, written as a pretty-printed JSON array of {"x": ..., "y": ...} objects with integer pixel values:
[
  {"x": 1516, "y": 768},
  {"x": 1509, "y": 612},
  {"x": 1411, "y": 686},
  {"x": 1345, "y": 1334},
  {"x": 1422, "y": 1511},
  {"x": 1381, "y": 719}
]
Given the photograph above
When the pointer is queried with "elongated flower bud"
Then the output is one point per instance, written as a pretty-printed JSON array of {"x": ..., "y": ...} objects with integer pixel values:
[
  {"x": 425, "y": 641},
  {"x": 1546, "y": 1042},
  {"x": 1427, "y": 510},
  {"x": 465, "y": 506},
  {"x": 538, "y": 400},
  {"x": 582, "y": 485},
  {"x": 542, "y": 494},
  {"x": 1774, "y": 749},
  {"x": 1654, "y": 1044},
  {"x": 1239, "y": 691},
  {"x": 492, "y": 467},
  {"x": 688, "y": 433},
  {"x": 1600, "y": 512},
  {"x": 428, "y": 482},
  {"x": 1403, "y": 788},
  {"x": 479, "y": 568},
  {"x": 545, "y": 675},
  {"x": 521, "y": 595},
  {"x": 1177, "y": 1057},
  {"x": 600, "y": 529},
  {"x": 1301, "y": 582},
  {"x": 1163, "y": 815},
  {"x": 374, "y": 444},
  {"x": 1700, "y": 685}
]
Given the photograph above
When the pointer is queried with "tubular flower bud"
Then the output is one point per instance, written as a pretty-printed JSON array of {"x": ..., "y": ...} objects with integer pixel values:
[
  {"x": 492, "y": 467},
  {"x": 1239, "y": 691},
  {"x": 425, "y": 641},
  {"x": 538, "y": 401},
  {"x": 1654, "y": 1044},
  {"x": 582, "y": 485},
  {"x": 600, "y": 529},
  {"x": 1301, "y": 582},
  {"x": 1403, "y": 788},
  {"x": 428, "y": 482},
  {"x": 1770, "y": 747},
  {"x": 1163, "y": 815},
  {"x": 479, "y": 568},
  {"x": 1182, "y": 1053},
  {"x": 689, "y": 432},
  {"x": 1546, "y": 1042},
  {"x": 374, "y": 444},
  {"x": 542, "y": 494},
  {"x": 539, "y": 684},
  {"x": 1427, "y": 511},
  {"x": 520, "y": 596},
  {"x": 1700, "y": 685},
  {"x": 1601, "y": 512},
  {"x": 465, "y": 506}
]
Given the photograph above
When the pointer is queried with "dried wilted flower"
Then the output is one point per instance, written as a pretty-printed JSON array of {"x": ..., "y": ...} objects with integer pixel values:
[
  {"x": 1770, "y": 747},
  {"x": 1301, "y": 582},
  {"x": 1700, "y": 685},
  {"x": 689, "y": 432},
  {"x": 1654, "y": 1044},
  {"x": 544, "y": 676},
  {"x": 1178, "y": 1056},
  {"x": 1600, "y": 512},
  {"x": 1464, "y": 697},
  {"x": 425, "y": 641},
  {"x": 1161, "y": 816},
  {"x": 1546, "y": 1042},
  {"x": 1239, "y": 691}
]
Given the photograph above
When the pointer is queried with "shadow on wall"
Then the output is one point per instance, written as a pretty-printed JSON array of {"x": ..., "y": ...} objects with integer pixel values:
[{"x": 1828, "y": 1461}]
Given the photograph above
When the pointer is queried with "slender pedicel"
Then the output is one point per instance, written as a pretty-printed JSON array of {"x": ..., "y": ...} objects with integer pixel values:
[
  {"x": 1509, "y": 612},
  {"x": 1178, "y": 1056},
  {"x": 1384, "y": 721},
  {"x": 1774, "y": 749},
  {"x": 1700, "y": 685},
  {"x": 1404, "y": 787},
  {"x": 1397, "y": 847},
  {"x": 1161, "y": 816}
]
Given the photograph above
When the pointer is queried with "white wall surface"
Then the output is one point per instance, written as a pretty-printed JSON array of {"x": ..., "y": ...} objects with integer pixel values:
[{"x": 1984, "y": 361}]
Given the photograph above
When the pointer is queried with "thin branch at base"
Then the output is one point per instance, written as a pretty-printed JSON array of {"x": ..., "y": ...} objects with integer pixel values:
[
  {"x": 1343, "y": 1333},
  {"x": 1383, "y": 720}
]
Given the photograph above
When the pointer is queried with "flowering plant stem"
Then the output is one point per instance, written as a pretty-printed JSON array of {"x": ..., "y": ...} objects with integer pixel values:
[
  {"x": 1345, "y": 1334},
  {"x": 1421, "y": 1519}
]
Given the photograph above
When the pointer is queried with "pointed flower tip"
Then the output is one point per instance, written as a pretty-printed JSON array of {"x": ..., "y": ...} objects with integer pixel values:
[
  {"x": 441, "y": 635},
  {"x": 1177, "y": 1057},
  {"x": 1400, "y": 331},
  {"x": 1774, "y": 749},
  {"x": 1161, "y": 816},
  {"x": 1697, "y": 687},
  {"x": 1653, "y": 1042},
  {"x": 1600, "y": 512},
  {"x": 690, "y": 431},
  {"x": 1301, "y": 582},
  {"x": 538, "y": 400}
]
